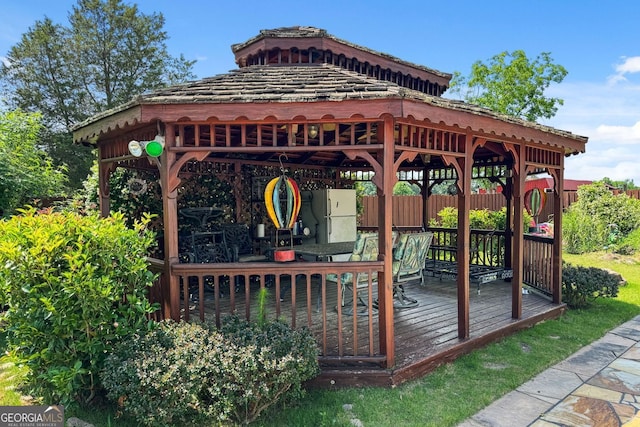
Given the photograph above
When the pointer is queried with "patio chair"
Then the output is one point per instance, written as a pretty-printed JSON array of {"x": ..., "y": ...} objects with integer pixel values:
[
  {"x": 409, "y": 258},
  {"x": 209, "y": 246},
  {"x": 365, "y": 248},
  {"x": 240, "y": 244}
]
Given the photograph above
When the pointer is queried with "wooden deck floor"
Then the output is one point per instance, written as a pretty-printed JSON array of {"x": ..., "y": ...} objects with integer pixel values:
[{"x": 426, "y": 335}]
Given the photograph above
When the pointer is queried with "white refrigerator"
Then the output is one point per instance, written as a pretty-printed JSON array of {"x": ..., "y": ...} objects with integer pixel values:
[{"x": 330, "y": 214}]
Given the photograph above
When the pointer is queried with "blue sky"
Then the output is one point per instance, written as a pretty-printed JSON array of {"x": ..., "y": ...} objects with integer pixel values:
[{"x": 596, "y": 41}]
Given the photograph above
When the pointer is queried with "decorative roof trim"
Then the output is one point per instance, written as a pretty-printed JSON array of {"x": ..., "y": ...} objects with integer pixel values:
[{"x": 301, "y": 32}]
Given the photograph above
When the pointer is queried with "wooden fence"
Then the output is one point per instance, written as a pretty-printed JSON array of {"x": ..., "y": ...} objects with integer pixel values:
[{"x": 407, "y": 210}]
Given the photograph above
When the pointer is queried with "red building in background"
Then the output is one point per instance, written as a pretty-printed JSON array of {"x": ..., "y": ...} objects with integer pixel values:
[{"x": 544, "y": 183}]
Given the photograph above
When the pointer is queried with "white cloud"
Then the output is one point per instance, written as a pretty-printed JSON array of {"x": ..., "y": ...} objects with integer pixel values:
[
  {"x": 5, "y": 61},
  {"x": 620, "y": 134},
  {"x": 629, "y": 65},
  {"x": 610, "y": 117}
]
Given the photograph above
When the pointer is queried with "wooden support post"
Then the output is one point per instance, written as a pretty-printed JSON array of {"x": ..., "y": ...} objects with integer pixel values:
[
  {"x": 104, "y": 171},
  {"x": 519, "y": 173},
  {"x": 508, "y": 240},
  {"x": 463, "y": 256},
  {"x": 171, "y": 285},
  {"x": 426, "y": 192},
  {"x": 385, "y": 222},
  {"x": 556, "y": 279}
]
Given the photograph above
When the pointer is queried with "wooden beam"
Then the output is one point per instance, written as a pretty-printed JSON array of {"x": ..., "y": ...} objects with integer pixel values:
[
  {"x": 519, "y": 175},
  {"x": 385, "y": 221},
  {"x": 556, "y": 279},
  {"x": 464, "y": 167}
]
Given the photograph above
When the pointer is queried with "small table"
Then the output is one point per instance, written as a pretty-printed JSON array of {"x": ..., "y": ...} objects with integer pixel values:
[
  {"x": 202, "y": 215},
  {"x": 324, "y": 251}
]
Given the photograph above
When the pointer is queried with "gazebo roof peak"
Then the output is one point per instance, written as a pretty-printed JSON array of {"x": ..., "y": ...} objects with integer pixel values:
[{"x": 306, "y": 44}]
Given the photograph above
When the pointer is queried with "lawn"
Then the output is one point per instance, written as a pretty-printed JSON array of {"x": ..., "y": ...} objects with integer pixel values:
[{"x": 452, "y": 392}]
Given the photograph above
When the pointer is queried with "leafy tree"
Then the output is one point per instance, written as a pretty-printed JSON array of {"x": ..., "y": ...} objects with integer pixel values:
[
  {"x": 26, "y": 171},
  {"x": 403, "y": 188},
  {"x": 123, "y": 52},
  {"x": 624, "y": 185},
  {"x": 512, "y": 84},
  {"x": 108, "y": 53}
]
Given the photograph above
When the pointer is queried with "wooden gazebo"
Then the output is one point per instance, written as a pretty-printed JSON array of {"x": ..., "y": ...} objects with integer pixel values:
[{"x": 335, "y": 111}]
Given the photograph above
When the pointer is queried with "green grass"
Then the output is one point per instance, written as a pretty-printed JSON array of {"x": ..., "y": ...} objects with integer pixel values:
[
  {"x": 455, "y": 391},
  {"x": 10, "y": 378},
  {"x": 458, "y": 390}
]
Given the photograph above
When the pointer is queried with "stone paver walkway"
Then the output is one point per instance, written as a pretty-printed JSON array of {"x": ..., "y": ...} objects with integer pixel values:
[{"x": 598, "y": 386}]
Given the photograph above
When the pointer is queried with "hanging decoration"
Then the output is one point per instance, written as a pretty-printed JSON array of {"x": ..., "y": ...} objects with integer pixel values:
[
  {"x": 534, "y": 201},
  {"x": 137, "y": 186},
  {"x": 273, "y": 202},
  {"x": 283, "y": 192}
]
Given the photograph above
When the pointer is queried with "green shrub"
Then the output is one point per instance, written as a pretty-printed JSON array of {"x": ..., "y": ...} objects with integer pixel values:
[
  {"x": 163, "y": 377},
  {"x": 582, "y": 285},
  {"x": 630, "y": 244},
  {"x": 282, "y": 360},
  {"x": 71, "y": 286},
  {"x": 598, "y": 219},
  {"x": 186, "y": 373},
  {"x": 479, "y": 219}
]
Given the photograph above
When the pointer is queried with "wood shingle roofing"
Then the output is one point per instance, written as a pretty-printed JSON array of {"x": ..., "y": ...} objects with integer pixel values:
[
  {"x": 297, "y": 83},
  {"x": 305, "y": 32},
  {"x": 229, "y": 96},
  {"x": 302, "y": 83}
]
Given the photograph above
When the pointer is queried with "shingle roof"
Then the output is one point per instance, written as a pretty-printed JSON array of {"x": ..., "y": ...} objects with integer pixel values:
[
  {"x": 291, "y": 83},
  {"x": 313, "y": 32},
  {"x": 300, "y": 83}
]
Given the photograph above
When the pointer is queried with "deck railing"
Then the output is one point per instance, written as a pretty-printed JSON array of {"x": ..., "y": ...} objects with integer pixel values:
[
  {"x": 486, "y": 247},
  {"x": 297, "y": 292},
  {"x": 300, "y": 294},
  {"x": 538, "y": 263}
]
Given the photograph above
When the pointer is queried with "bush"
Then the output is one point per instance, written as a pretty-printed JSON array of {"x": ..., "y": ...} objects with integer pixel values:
[
  {"x": 185, "y": 373},
  {"x": 582, "y": 285},
  {"x": 630, "y": 244},
  {"x": 599, "y": 219},
  {"x": 71, "y": 286},
  {"x": 479, "y": 219}
]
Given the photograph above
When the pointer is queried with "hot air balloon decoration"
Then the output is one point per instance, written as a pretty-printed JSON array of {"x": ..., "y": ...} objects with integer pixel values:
[
  {"x": 534, "y": 201},
  {"x": 283, "y": 211}
]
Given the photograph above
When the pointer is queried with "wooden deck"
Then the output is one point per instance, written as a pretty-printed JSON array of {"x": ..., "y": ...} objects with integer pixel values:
[{"x": 426, "y": 336}]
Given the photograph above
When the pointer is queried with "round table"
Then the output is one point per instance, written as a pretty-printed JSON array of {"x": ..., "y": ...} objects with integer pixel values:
[{"x": 202, "y": 215}]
